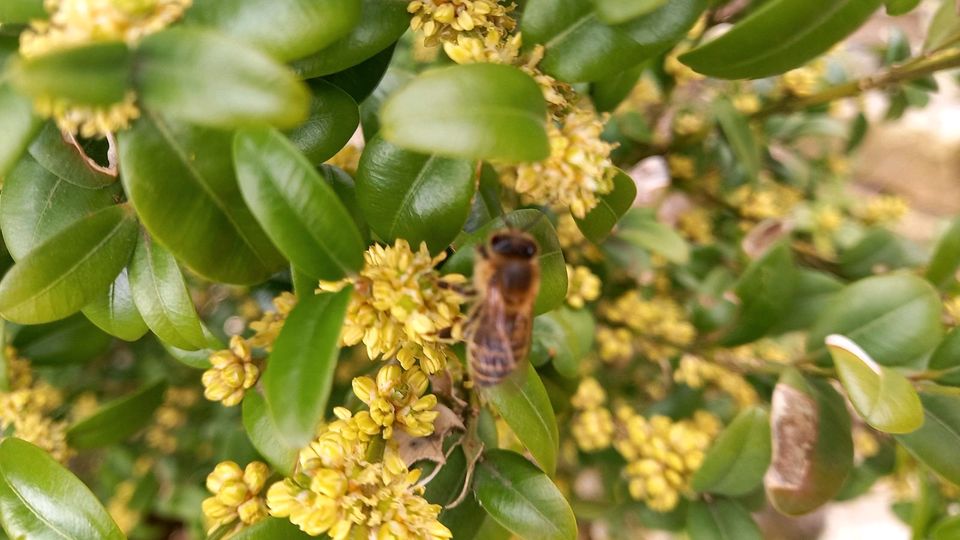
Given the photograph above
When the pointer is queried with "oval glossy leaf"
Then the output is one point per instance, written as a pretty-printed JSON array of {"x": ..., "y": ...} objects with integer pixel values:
[
  {"x": 944, "y": 30},
  {"x": 266, "y": 438},
  {"x": 522, "y": 402},
  {"x": 118, "y": 419},
  {"x": 599, "y": 222},
  {"x": 162, "y": 297},
  {"x": 721, "y": 519},
  {"x": 942, "y": 270},
  {"x": 67, "y": 341},
  {"x": 469, "y": 521},
  {"x": 812, "y": 293},
  {"x": 619, "y": 11},
  {"x": 271, "y": 529},
  {"x": 299, "y": 210},
  {"x": 196, "y": 359},
  {"x": 736, "y": 129},
  {"x": 765, "y": 290},
  {"x": 884, "y": 398},
  {"x": 553, "y": 269},
  {"x": 936, "y": 442},
  {"x": 418, "y": 197},
  {"x": 522, "y": 498},
  {"x": 63, "y": 159},
  {"x": 70, "y": 269},
  {"x": 334, "y": 118},
  {"x": 37, "y": 205},
  {"x": 299, "y": 375},
  {"x": 878, "y": 248},
  {"x": 206, "y": 78},
  {"x": 286, "y": 29},
  {"x": 608, "y": 93},
  {"x": 93, "y": 74},
  {"x": 39, "y": 498},
  {"x": 564, "y": 336},
  {"x": 115, "y": 311},
  {"x": 181, "y": 180},
  {"x": 812, "y": 446},
  {"x": 19, "y": 126},
  {"x": 640, "y": 227},
  {"x": 946, "y": 359},
  {"x": 393, "y": 80},
  {"x": 900, "y": 7},
  {"x": 21, "y": 11},
  {"x": 948, "y": 529},
  {"x": 475, "y": 111},
  {"x": 738, "y": 459},
  {"x": 579, "y": 47},
  {"x": 757, "y": 47},
  {"x": 381, "y": 23},
  {"x": 894, "y": 318},
  {"x": 345, "y": 187},
  {"x": 360, "y": 80}
]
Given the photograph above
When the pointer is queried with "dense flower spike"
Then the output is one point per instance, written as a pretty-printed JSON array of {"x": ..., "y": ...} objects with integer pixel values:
[
  {"x": 170, "y": 416},
  {"x": 396, "y": 399},
  {"x": 233, "y": 372},
  {"x": 236, "y": 500},
  {"x": 883, "y": 209},
  {"x": 268, "y": 327},
  {"x": 660, "y": 324},
  {"x": 402, "y": 306},
  {"x": 592, "y": 426},
  {"x": 696, "y": 372},
  {"x": 26, "y": 409},
  {"x": 469, "y": 30},
  {"x": 582, "y": 286}
]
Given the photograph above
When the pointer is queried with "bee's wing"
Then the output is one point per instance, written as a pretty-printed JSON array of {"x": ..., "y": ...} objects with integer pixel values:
[{"x": 490, "y": 351}]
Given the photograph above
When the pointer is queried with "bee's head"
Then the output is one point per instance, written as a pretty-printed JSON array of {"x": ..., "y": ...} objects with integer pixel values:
[{"x": 513, "y": 244}]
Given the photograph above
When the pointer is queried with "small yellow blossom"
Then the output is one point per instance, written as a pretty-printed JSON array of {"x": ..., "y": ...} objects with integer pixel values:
[
  {"x": 801, "y": 82},
  {"x": 951, "y": 311},
  {"x": 236, "y": 500},
  {"x": 578, "y": 171},
  {"x": 348, "y": 158},
  {"x": 644, "y": 94},
  {"x": 747, "y": 103},
  {"x": 170, "y": 416},
  {"x": 696, "y": 372},
  {"x": 883, "y": 209},
  {"x": 25, "y": 410},
  {"x": 593, "y": 429},
  {"x": 268, "y": 327},
  {"x": 764, "y": 200},
  {"x": 442, "y": 21},
  {"x": 615, "y": 344},
  {"x": 827, "y": 219},
  {"x": 865, "y": 443},
  {"x": 681, "y": 167},
  {"x": 582, "y": 286},
  {"x": 401, "y": 305},
  {"x": 660, "y": 324},
  {"x": 119, "y": 506},
  {"x": 396, "y": 398},
  {"x": 681, "y": 72},
  {"x": 697, "y": 225},
  {"x": 688, "y": 124},
  {"x": 589, "y": 395},
  {"x": 233, "y": 372}
]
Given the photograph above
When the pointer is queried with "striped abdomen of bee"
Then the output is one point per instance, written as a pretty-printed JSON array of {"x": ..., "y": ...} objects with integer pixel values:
[{"x": 506, "y": 277}]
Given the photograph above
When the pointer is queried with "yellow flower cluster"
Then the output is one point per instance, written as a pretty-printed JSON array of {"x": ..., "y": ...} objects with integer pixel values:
[
  {"x": 615, "y": 344},
  {"x": 168, "y": 417},
  {"x": 747, "y": 103},
  {"x": 662, "y": 455},
  {"x": 592, "y": 425},
  {"x": 688, "y": 124},
  {"x": 578, "y": 170},
  {"x": 883, "y": 209},
  {"x": 233, "y": 371},
  {"x": 681, "y": 167},
  {"x": 697, "y": 225},
  {"x": 582, "y": 286},
  {"x": 768, "y": 199},
  {"x": 119, "y": 506},
  {"x": 575, "y": 246},
  {"x": 753, "y": 355},
  {"x": 396, "y": 398},
  {"x": 348, "y": 158},
  {"x": 469, "y": 30},
  {"x": 951, "y": 311},
  {"x": 696, "y": 372},
  {"x": 268, "y": 327},
  {"x": 801, "y": 82},
  {"x": 680, "y": 72},
  {"x": 336, "y": 490},
  {"x": 401, "y": 305},
  {"x": 660, "y": 324},
  {"x": 236, "y": 500},
  {"x": 78, "y": 22},
  {"x": 25, "y": 410}
]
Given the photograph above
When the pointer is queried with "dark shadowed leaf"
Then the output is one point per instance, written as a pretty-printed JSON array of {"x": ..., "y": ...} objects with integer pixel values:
[
  {"x": 63, "y": 159},
  {"x": 720, "y": 519},
  {"x": 116, "y": 420},
  {"x": 639, "y": 227},
  {"x": 266, "y": 438},
  {"x": 91, "y": 74},
  {"x": 67, "y": 341},
  {"x": 599, "y": 222},
  {"x": 619, "y": 11},
  {"x": 738, "y": 459},
  {"x": 765, "y": 290},
  {"x": 334, "y": 118},
  {"x": 936, "y": 442},
  {"x": 942, "y": 270}
]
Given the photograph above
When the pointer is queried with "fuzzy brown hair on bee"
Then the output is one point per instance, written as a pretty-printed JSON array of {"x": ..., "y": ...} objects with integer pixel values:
[{"x": 506, "y": 277}]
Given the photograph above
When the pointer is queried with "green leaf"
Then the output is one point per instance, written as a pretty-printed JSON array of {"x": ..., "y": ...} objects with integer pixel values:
[
  {"x": 564, "y": 336},
  {"x": 720, "y": 519},
  {"x": 271, "y": 529},
  {"x": 895, "y": 318},
  {"x": 41, "y": 499},
  {"x": 738, "y": 459},
  {"x": 469, "y": 521},
  {"x": 812, "y": 293},
  {"x": 475, "y": 111},
  {"x": 765, "y": 290},
  {"x": 162, "y": 297},
  {"x": 900, "y": 7},
  {"x": 181, "y": 180},
  {"x": 609, "y": 92},
  {"x": 579, "y": 47},
  {"x": 553, "y": 269},
  {"x": 619, "y": 11},
  {"x": 639, "y": 227},
  {"x": 946, "y": 358},
  {"x": 334, "y": 118},
  {"x": 418, "y": 197},
  {"x": 779, "y": 36},
  {"x": 522, "y": 498},
  {"x": 37, "y": 205},
  {"x": 63, "y": 159},
  {"x": 879, "y": 248},
  {"x": 947, "y": 529},
  {"x": 21, "y": 11},
  {"x": 736, "y": 129},
  {"x": 345, "y": 187},
  {"x": 115, "y": 311},
  {"x": 285, "y": 29},
  {"x": 67, "y": 341},
  {"x": 381, "y": 23},
  {"x": 360, "y": 80},
  {"x": 91, "y": 74},
  {"x": 266, "y": 438},
  {"x": 300, "y": 212},
  {"x": 884, "y": 398},
  {"x": 944, "y": 30},
  {"x": 942, "y": 270},
  {"x": 116, "y": 420},
  {"x": 936, "y": 442},
  {"x": 599, "y": 222},
  {"x": 299, "y": 375},
  {"x": 522, "y": 402},
  {"x": 196, "y": 359},
  {"x": 812, "y": 446},
  {"x": 68, "y": 270},
  {"x": 205, "y": 78},
  {"x": 19, "y": 126}
]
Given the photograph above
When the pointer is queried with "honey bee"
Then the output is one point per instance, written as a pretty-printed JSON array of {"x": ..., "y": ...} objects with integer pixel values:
[{"x": 506, "y": 278}]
